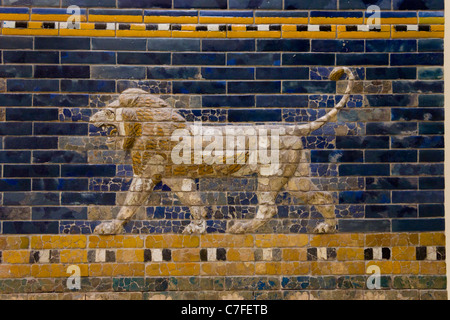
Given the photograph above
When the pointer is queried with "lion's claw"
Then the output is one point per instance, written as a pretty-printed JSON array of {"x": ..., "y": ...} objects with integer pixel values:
[
  {"x": 109, "y": 228},
  {"x": 195, "y": 227},
  {"x": 324, "y": 228}
]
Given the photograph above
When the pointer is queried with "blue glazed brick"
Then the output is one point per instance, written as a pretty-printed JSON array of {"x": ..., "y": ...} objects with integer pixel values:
[
  {"x": 256, "y": 4},
  {"x": 87, "y": 57},
  {"x": 88, "y": 3},
  {"x": 364, "y": 4},
  {"x": 282, "y": 73},
  {"x": 15, "y": 128},
  {"x": 31, "y": 143},
  {"x": 15, "y": 71},
  {"x": 319, "y": 87},
  {"x": 30, "y": 199},
  {"x": 198, "y": 59},
  {"x": 199, "y": 87},
  {"x": 364, "y": 197},
  {"x": 60, "y": 184},
  {"x": 391, "y": 156},
  {"x": 391, "y": 45},
  {"x": 28, "y": 227},
  {"x": 418, "y": 4},
  {"x": 370, "y": 142},
  {"x": 392, "y": 211},
  {"x": 228, "y": 73},
  {"x": 254, "y": 87},
  {"x": 201, "y": 4},
  {"x": 413, "y": 114},
  {"x": 60, "y": 43},
  {"x": 25, "y": 85},
  {"x": 31, "y": 57},
  {"x": 389, "y": 100},
  {"x": 88, "y": 198},
  {"x": 15, "y": 100},
  {"x": 28, "y": 114},
  {"x": 7, "y": 42},
  {"x": 337, "y": 45},
  {"x": 72, "y": 170},
  {"x": 285, "y": 45},
  {"x": 430, "y": 73},
  {"x": 19, "y": 171},
  {"x": 171, "y": 45},
  {"x": 431, "y": 45},
  {"x": 431, "y": 156},
  {"x": 147, "y": 58},
  {"x": 417, "y": 225},
  {"x": 310, "y": 5},
  {"x": 417, "y": 196},
  {"x": 327, "y": 156},
  {"x": 94, "y": 86},
  {"x": 119, "y": 72},
  {"x": 282, "y": 101},
  {"x": 308, "y": 59},
  {"x": 15, "y": 185},
  {"x": 431, "y": 128},
  {"x": 356, "y": 225},
  {"x": 417, "y": 169},
  {"x": 163, "y": 4},
  {"x": 431, "y": 210},
  {"x": 217, "y": 101},
  {"x": 61, "y": 129},
  {"x": 227, "y": 45},
  {"x": 356, "y": 59},
  {"x": 61, "y": 71},
  {"x": 254, "y": 115},
  {"x": 390, "y": 73},
  {"x": 422, "y": 142},
  {"x": 59, "y": 213},
  {"x": 391, "y": 183},
  {"x": 364, "y": 170},
  {"x": 418, "y": 86},
  {"x": 173, "y": 72},
  {"x": 411, "y": 59},
  {"x": 15, "y": 157},
  {"x": 59, "y": 157},
  {"x": 253, "y": 59},
  {"x": 432, "y": 100},
  {"x": 427, "y": 183},
  {"x": 60, "y": 100},
  {"x": 151, "y": 86},
  {"x": 395, "y": 128},
  {"x": 118, "y": 44}
]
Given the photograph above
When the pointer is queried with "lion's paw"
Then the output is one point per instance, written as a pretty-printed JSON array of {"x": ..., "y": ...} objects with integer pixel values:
[
  {"x": 109, "y": 228},
  {"x": 238, "y": 228},
  {"x": 324, "y": 228},
  {"x": 196, "y": 227}
]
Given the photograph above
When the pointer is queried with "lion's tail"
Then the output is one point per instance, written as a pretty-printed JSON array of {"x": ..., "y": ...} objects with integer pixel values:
[{"x": 335, "y": 75}]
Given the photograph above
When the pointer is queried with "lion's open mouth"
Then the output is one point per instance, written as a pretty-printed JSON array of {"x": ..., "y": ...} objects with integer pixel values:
[{"x": 109, "y": 130}]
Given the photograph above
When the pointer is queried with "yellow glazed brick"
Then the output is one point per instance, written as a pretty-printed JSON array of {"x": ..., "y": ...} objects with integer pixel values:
[
  {"x": 58, "y": 242},
  {"x": 172, "y": 269},
  {"x": 432, "y": 239},
  {"x": 118, "y": 241},
  {"x": 295, "y": 268},
  {"x": 409, "y": 20},
  {"x": 14, "y": 271},
  {"x": 220, "y": 20},
  {"x": 254, "y": 34},
  {"x": 437, "y": 31},
  {"x": 116, "y": 269},
  {"x": 280, "y": 20},
  {"x": 213, "y": 269},
  {"x": 432, "y": 267},
  {"x": 30, "y": 32},
  {"x": 87, "y": 33},
  {"x": 337, "y": 240},
  {"x": 114, "y": 18},
  {"x": 226, "y": 241},
  {"x": 167, "y": 19},
  {"x": 337, "y": 268},
  {"x": 404, "y": 239},
  {"x": 404, "y": 253},
  {"x": 240, "y": 268},
  {"x": 240, "y": 255},
  {"x": 186, "y": 255},
  {"x": 55, "y": 270},
  {"x": 171, "y": 241},
  {"x": 385, "y": 33},
  {"x": 326, "y": 20},
  {"x": 405, "y": 267},
  {"x": 15, "y": 16},
  {"x": 199, "y": 34},
  {"x": 73, "y": 256},
  {"x": 308, "y": 35},
  {"x": 16, "y": 256},
  {"x": 54, "y": 17},
  {"x": 299, "y": 254},
  {"x": 14, "y": 243},
  {"x": 130, "y": 255},
  {"x": 432, "y": 20},
  {"x": 386, "y": 267},
  {"x": 347, "y": 254},
  {"x": 280, "y": 240},
  {"x": 268, "y": 268},
  {"x": 149, "y": 33}
]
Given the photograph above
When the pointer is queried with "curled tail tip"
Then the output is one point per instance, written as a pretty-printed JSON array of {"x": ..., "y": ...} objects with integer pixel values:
[{"x": 337, "y": 73}]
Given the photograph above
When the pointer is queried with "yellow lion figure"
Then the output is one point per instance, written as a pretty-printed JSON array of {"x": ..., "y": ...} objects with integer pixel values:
[{"x": 150, "y": 130}]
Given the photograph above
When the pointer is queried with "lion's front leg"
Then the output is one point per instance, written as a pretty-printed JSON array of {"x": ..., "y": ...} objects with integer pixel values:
[{"x": 139, "y": 191}]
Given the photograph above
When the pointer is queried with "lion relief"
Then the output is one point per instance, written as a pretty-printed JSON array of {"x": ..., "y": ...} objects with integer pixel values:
[{"x": 158, "y": 139}]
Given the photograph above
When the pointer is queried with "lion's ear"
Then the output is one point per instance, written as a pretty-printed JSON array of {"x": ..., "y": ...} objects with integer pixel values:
[{"x": 132, "y": 132}]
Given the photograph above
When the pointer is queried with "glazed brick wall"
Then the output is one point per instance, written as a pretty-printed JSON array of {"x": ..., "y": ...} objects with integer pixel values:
[{"x": 383, "y": 162}]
